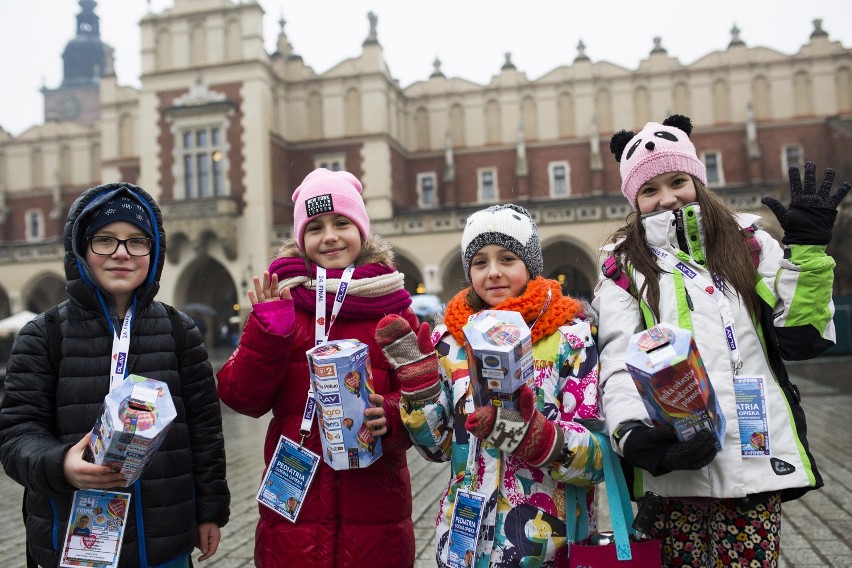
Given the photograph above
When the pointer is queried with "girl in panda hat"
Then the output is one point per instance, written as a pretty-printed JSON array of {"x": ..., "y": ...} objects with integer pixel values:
[
  {"x": 685, "y": 258},
  {"x": 360, "y": 517},
  {"x": 520, "y": 461}
]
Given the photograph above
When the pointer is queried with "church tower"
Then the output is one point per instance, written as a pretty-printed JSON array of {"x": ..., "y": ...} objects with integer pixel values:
[{"x": 86, "y": 59}]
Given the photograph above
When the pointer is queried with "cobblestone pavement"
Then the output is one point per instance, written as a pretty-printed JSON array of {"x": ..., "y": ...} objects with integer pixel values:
[{"x": 816, "y": 529}]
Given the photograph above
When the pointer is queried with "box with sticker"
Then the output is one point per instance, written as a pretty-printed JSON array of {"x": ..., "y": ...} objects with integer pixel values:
[
  {"x": 134, "y": 421},
  {"x": 499, "y": 354},
  {"x": 670, "y": 375},
  {"x": 342, "y": 381}
]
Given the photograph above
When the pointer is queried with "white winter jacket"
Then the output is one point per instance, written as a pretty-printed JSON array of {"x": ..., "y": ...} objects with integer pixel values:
[{"x": 796, "y": 324}]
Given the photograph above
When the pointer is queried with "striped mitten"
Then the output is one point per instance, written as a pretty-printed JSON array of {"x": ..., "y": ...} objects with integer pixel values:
[{"x": 413, "y": 357}]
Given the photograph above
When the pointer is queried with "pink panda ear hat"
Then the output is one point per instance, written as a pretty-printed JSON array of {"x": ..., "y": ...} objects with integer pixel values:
[
  {"x": 324, "y": 191},
  {"x": 656, "y": 149}
]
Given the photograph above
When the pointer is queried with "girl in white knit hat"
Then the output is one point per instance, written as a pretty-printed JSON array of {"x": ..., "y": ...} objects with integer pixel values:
[{"x": 520, "y": 462}]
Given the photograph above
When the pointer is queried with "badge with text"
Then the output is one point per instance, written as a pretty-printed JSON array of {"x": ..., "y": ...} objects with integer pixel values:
[
  {"x": 464, "y": 528},
  {"x": 288, "y": 478},
  {"x": 752, "y": 416},
  {"x": 95, "y": 529}
]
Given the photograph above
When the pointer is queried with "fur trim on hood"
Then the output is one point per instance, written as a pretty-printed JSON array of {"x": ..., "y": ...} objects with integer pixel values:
[{"x": 374, "y": 249}]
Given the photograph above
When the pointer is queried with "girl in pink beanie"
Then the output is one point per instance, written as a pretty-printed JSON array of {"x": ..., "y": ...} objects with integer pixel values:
[
  {"x": 353, "y": 518},
  {"x": 687, "y": 259}
]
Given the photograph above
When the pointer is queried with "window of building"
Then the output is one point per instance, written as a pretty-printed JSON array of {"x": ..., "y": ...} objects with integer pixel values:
[
  {"x": 333, "y": 162},
  {"x": 559, "y": 174},
  {"x": 487, "y": 187},
  {"x": 203, "y": 161},
  {"x": 34, "y": 220},
  {"x": 427, "y": 190},
  {"x": 792, "y": 155},
  {"x": 713, "y": 163}
]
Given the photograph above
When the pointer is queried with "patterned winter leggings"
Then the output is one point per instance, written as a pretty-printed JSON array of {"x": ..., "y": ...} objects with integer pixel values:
[{"x": 720, "y": 533}]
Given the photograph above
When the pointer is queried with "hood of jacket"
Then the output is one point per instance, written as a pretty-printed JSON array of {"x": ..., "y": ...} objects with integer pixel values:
[
  {"x": 680, "y": 230},
  {"x": 81, "y": 284},
  {"x": 683, "y": 229},
  {"x": 374, "y": 249}
]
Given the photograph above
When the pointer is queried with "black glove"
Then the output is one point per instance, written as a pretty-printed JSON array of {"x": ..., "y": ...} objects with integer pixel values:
[
  {"x": 810, "y": 218},
  {"x": 657, "y": 450}
]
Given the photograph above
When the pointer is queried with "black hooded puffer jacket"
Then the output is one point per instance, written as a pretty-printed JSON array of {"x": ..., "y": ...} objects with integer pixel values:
[{"x": 43, "y": 412}]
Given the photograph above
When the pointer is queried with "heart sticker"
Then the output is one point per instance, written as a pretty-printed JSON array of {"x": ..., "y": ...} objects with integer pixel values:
[{"x": 116, "y": 507}]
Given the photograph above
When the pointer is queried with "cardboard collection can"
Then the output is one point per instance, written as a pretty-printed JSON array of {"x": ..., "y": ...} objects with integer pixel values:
[
  {"x": 669, "y": 373},
  {"x": 134, "y": 421},
  {"x": 499, "y": 354},
  {"x": 342, "y": 381}
]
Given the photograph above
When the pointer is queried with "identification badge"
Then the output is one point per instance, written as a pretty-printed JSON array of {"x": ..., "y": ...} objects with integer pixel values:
[
  {"x": 95, "y": 529},
  {"x": 288, "y": 478},
  {"x": 752, "y": 416},
  {"x": 464, "y": 528}
]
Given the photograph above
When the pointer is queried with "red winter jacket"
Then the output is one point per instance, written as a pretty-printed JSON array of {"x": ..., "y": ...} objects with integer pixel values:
[{"x": 353, "y": 518}]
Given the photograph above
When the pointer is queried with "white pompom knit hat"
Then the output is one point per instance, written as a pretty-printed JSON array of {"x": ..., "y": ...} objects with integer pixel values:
[{"x": 509, "y": 226}]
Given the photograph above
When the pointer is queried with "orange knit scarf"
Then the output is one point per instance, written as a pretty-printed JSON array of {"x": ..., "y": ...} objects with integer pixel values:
[{"x": 562, "y": 309}]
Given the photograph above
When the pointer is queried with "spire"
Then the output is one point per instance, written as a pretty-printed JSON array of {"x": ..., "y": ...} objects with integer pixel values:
[
  {"x": 581, "y": 52},
  {"x": 735, "y": 37},
  {"x": 85, "y": 55},
  {"x": 437, "y": 71},
  {"x": 372, "y": 36},
  {"x": 285, "y": 48},
  {"x": 818, "y": 31}
]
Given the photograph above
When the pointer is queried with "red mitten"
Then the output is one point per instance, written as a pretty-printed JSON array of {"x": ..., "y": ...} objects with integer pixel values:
[
  {"x": 413, "y": 357},
  {"x": 525, "y": 433}
]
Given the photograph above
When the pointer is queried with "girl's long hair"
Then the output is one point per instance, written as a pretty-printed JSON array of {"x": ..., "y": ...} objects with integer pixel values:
[{"x": 727, "y": 246}]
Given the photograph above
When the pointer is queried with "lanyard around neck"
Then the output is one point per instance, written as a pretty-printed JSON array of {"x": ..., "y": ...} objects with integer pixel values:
[
  {"x": 321, "y": 335},
  {"x": 712, "y": 289},
  {"x": 320, "y": 330},
  {"x": 120, "y": 350}
]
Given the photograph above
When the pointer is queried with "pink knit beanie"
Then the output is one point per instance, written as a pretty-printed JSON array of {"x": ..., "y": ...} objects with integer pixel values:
[
  {"x": 656, "y": 149},
  {"x": 324, "y": 191}
]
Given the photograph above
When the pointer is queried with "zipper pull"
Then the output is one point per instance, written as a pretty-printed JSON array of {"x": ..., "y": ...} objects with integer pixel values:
[{"x": 688, "y": 299}]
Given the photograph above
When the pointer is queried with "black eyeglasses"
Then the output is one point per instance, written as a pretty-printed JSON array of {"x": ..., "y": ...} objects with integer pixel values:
[{"x": 106, "y": 246}]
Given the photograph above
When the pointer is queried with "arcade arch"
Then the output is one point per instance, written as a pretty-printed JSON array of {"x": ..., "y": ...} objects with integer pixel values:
[
  {"x": 571, "y": 265},
  {"x": 43, "y": 291},
  {"x": 206, "y": 284},
  {"x": 413, "y": 275}
]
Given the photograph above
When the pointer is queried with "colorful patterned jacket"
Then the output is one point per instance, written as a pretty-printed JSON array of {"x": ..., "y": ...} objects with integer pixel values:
[{"x": 524, "y": 513}]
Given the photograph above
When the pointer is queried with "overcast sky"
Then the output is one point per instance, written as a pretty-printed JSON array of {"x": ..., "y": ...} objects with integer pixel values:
[{"x": 470, "y": 37}]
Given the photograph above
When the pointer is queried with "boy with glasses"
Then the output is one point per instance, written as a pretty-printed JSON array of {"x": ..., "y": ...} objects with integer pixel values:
[{"x": 60, "y": 371}]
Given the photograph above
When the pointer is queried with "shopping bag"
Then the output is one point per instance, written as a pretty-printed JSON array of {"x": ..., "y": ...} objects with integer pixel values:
[{"x": 624, "y": 552}]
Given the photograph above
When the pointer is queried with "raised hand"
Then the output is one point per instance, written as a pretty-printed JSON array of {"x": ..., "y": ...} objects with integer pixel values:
[
  {"x": 525, "y": 433},
  {"x": 267, "y": 290},
  {"x": 810, "y": 218},
  {"x": 413, "y": 357}
]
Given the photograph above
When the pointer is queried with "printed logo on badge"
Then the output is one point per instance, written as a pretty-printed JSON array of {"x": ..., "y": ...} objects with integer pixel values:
[
  {"x": 119, "y": 364},
  {"x": 687, "y": 271},
  {"x": 319, "y": 205}
]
